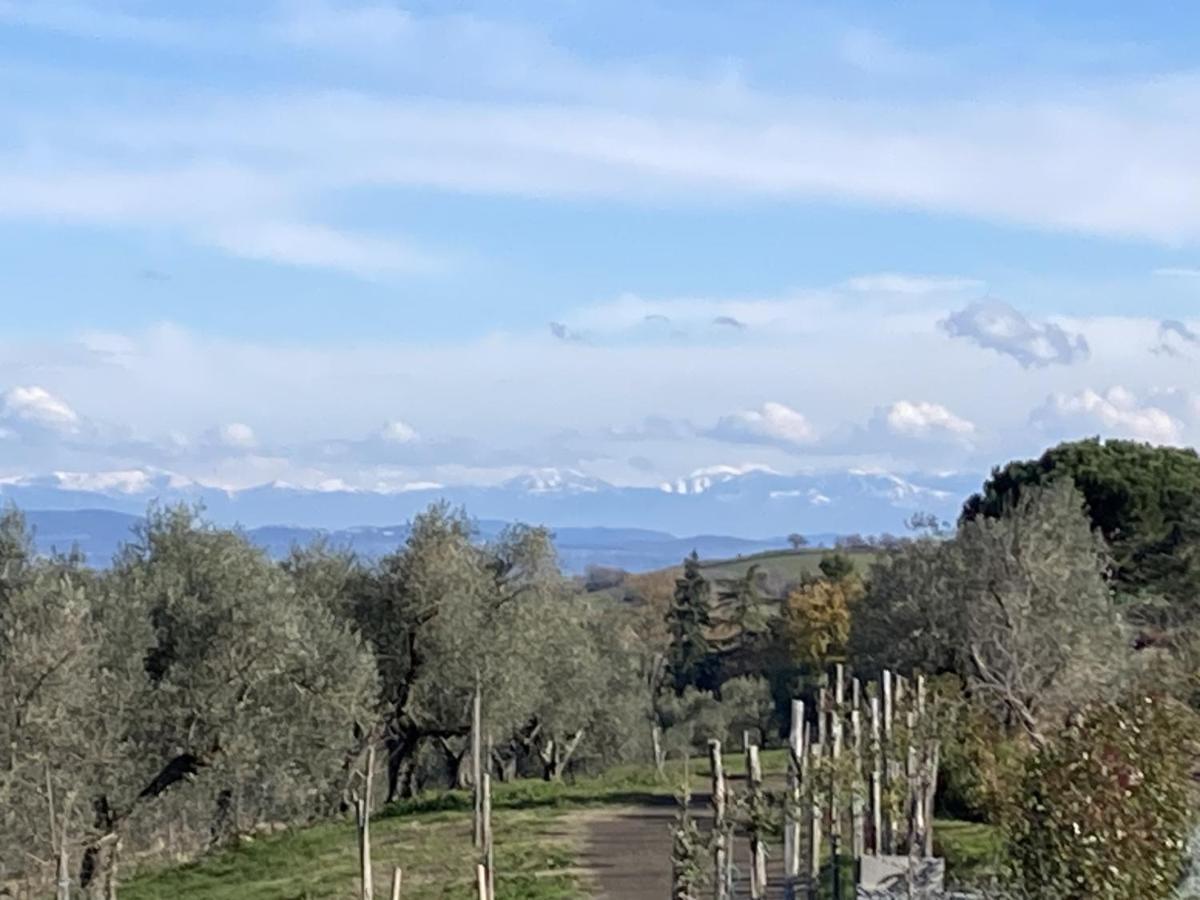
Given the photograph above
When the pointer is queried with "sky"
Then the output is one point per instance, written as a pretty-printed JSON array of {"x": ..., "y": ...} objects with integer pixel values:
[{"x": 377, "y": 245}]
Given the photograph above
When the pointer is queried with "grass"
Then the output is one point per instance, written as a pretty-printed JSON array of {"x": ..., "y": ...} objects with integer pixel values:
[
  {"x": 430, "y": 836},
  {"x": 789, "y": 565}
]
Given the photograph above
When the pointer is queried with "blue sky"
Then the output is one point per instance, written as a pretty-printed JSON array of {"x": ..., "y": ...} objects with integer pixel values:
[{"x": 376, "y": 244}]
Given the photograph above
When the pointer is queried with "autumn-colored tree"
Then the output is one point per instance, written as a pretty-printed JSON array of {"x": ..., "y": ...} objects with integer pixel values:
[{"x": 816, "y": 620}]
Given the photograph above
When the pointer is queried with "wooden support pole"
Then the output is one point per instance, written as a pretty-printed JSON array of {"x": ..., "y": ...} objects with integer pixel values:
[
  {"x": 489, "y": 852},
  {"x": 758, "y": 843},
  {"x": 397, "y": 876},
  {"x": 857, "y": 839},
  {"x": 363, "y": 810},
  {"x": 914, "y": 806},
  {"x": 63, "y": 873},
  {"x": 720, "y": 829},
  {"x": 791, "y": 833},
  {"x": 890, "y": 772},
  {"x": 876, "y": 799},
  {"x": 930, "y": 795},
  {"x": 657, "y": 748},
  {"x": 822, "y": 712},
  {"x": 481, "y": 881},
  {"x": 477, "y": 761},
  {"x": 814, "y": 821},
  {"x": 835, "y": 787}
]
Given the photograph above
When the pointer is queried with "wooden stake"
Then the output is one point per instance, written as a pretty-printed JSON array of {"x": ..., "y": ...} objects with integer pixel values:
[
  {"x": 930, "y": 795},
  {"x": 814, "y": 821},
  {"x": 489, "y": 855},
  {"x": 481, "y": 881},
  {"x": 758, "y": 846},
  {"x": 914, "y": 803},
  {"x": 857, "y": 840},
  {"x": 397, "y": 875},
  {"x": 719, "y": 827},
  {"x": 363, "y": 808},
  {"x": 791, "y": 832},
  {"x": 477, "y": 760},
  {"x": 876, "y": 779},
  {"x": 63, "y": 881},
  {"x": 890, "y": 772},
  {"x": 656, "y": 744},
  {"x": 822, "y": 712}
]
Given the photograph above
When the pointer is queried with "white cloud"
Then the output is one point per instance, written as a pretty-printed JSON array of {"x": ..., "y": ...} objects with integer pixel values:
[
  {"x": 1177, "y": 272},
  {"x": 317, "y": 246},
  {"x": 900, "y": 283},
  {"x": 575, "y": 407},
  {"x": 1117, "y": 412},
  {"x": 128, "y": 481},
  {"x": 1176, "y": 338},
  {"x": 923, "y": 419},
  {"x": 996, "y": 325},
  {"x": 33, "y": 405},
  {"x": 772, "y": 423},
  {"x": 397, "y": 432},
  {"x": 235, "y": 436},
  {"x": 250, "y": 172}
]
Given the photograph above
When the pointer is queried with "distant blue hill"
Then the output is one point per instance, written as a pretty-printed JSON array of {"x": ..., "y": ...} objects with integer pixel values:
[
  {"x": 730, "y": 510},
  {"x": 99, "y": 534}
]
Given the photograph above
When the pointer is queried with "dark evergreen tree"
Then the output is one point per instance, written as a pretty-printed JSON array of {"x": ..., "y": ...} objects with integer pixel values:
[
  {"x": 836, "y": 566},
  {"x": 690, "y": 615},
  {"x": 1144, "y": 499},
  {"x": 746, "y": 611}
]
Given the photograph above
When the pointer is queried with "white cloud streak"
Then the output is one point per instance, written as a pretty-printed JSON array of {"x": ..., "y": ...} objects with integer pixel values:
[{"x": 249, "y": 172}]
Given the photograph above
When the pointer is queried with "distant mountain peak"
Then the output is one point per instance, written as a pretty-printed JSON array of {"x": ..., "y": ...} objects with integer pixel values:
[
  {"x": 701, "y": 480},
  {"x": 554, "y": 481}
]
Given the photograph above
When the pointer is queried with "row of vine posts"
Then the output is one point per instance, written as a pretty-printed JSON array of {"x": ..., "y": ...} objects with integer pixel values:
[
  {"x": 481, "y": 819},
  {"x": 861, "y": 777}
]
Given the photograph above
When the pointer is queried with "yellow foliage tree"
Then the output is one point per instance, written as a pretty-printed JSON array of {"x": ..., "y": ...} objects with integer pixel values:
[{"x": 816, "y": 620}]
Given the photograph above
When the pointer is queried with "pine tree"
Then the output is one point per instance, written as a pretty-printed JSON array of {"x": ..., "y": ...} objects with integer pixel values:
[
  {"x": 745, "y": 610},
  {"x": 690, "y": 655}
]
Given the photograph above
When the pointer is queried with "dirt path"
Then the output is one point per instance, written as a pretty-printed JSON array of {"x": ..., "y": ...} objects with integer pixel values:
[{"x": 626, "y": 852}]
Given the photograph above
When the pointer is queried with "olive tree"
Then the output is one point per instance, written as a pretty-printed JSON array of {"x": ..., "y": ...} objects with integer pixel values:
[
  {"x": 238, "y": 693},
  {"x": 49, "y": 691},
  {"x": 1019, "y": 605},
  {"x": 1038, "y": 629}
]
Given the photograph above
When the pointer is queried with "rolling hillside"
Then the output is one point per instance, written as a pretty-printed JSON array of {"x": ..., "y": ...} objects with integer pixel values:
[{"x": 783, "y": 565}]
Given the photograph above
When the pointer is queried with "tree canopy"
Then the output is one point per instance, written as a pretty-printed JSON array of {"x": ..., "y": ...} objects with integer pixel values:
[{"x": 1145, "y": 500}]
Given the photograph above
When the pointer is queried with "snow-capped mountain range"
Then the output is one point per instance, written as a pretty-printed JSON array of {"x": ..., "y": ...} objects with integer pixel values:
[{"x": 741, "y": 501}]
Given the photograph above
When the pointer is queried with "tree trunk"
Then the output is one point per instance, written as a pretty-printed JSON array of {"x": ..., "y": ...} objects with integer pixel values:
[
  {"x": 400, "y": 767},
  {"x": 98, "y": 869}
]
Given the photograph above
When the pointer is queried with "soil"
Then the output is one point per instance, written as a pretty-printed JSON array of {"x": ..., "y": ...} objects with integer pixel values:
[{"x": 626, "y": 852}]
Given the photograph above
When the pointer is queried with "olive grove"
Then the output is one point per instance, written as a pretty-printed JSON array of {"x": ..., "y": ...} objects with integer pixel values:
[{"x": 196, "y": 690}]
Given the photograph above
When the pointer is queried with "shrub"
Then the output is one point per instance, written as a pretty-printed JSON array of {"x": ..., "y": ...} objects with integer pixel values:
[
  {"x": 981, "y": 761},
  {"x": 1105, "y": 809}
]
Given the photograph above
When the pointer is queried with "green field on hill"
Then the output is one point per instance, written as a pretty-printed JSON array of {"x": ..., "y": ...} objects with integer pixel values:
[{"x": 785, "y": 565}]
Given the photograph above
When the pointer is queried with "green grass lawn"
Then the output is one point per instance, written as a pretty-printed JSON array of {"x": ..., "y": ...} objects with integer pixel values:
[
  {"x": 790, "y": 565},
  {"x": 430, "y": 837}
]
